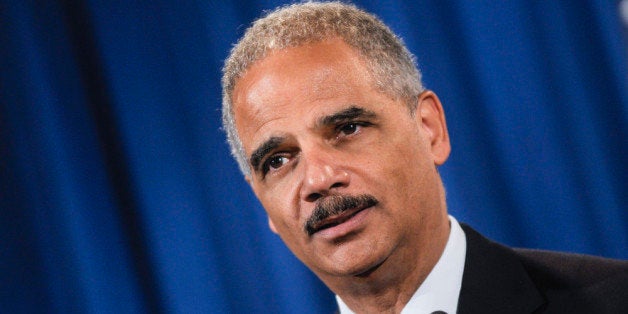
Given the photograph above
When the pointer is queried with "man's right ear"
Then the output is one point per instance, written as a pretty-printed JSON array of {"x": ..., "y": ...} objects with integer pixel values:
[{"x": 271, "y": 225}]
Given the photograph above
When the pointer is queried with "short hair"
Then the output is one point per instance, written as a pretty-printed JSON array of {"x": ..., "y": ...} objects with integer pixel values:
[{"x": 391, "y": 65}]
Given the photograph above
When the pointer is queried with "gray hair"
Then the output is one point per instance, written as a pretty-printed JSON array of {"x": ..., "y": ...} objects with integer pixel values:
[{"x": 392, "y": 66}]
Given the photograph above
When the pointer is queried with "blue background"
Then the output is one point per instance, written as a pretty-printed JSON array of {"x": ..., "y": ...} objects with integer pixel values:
[{"x": 118, "y": 195}]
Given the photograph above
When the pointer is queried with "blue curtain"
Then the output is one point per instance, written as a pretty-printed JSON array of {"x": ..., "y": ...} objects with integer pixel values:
[{"x": 118, "y": 194}]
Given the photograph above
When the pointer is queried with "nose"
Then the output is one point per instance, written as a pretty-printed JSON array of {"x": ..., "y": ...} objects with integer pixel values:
[{"x": 323, "y": 175}]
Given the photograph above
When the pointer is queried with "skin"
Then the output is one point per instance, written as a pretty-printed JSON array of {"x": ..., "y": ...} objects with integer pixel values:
[{"x": 319, "y": 127}]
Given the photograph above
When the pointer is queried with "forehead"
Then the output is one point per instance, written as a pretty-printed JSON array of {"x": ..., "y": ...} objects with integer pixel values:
[
  {"x": 293, "y": 82},
  {"x": 332, "y": 61}
]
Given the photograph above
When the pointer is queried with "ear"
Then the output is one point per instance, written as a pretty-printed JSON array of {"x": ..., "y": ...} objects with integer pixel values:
[
  {"x": 270, "y": 222},
  {"x": 272, "y": 225},
  {"x": 432, "y": 119}
]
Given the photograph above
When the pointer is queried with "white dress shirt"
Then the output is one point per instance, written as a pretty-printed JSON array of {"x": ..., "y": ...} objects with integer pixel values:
[{"x": 441, "y": 288}]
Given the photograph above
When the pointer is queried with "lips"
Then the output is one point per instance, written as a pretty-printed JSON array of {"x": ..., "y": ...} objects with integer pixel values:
[
  {"x": 334, "y": 210},
  {"x": 337, "y": 219}
]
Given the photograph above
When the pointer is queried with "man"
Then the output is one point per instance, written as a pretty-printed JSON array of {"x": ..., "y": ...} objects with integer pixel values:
[{"x": 329, "y": 122}]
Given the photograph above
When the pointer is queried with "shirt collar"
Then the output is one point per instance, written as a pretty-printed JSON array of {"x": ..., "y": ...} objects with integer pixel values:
[{"x": 441, "y": 288}]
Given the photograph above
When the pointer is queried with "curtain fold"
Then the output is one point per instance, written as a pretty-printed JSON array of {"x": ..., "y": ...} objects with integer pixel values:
[{"x": 118, "y": 194}]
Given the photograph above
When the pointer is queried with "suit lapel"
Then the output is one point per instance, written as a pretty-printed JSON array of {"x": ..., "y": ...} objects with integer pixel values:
[{"x": 494, "y": 281}]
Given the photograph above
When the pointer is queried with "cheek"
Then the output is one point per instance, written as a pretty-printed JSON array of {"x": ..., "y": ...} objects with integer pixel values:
[
  {"x": 279, "y": 202},
  {"x": 401, "y": 159},
  {"x": 405, "y": 166}
]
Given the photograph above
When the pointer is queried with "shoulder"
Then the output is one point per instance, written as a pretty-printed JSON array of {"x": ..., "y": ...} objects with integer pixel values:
[
  {"x": 567, "y": 269},
  {"x": 564, "y": 282},
  {"x": 599, "y": 284}
]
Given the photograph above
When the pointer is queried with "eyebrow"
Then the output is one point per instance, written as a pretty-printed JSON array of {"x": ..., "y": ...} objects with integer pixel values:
[
  {"x": 347, "y": 114},
  {"x": 264, "y": 149}
]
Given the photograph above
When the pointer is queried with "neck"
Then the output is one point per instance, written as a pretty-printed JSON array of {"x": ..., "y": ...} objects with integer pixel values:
[{"x": 389, "y": 286}]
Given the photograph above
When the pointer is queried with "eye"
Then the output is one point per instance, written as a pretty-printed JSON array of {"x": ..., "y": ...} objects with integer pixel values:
[
  {"x": 274, "y": 162},
  {"x": 349, "y": 128}
]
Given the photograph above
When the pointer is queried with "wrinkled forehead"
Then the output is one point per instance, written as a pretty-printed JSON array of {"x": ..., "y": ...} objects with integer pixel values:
[
  {"x": 296, "y": 80},
  {"x": 317, "y": 60}
]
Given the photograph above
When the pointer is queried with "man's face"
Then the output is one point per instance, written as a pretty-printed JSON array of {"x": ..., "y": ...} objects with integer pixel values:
[{"x": 318, "y": 133}]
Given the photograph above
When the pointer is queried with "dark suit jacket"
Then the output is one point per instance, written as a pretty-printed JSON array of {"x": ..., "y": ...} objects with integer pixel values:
[{"x": 498, "y": 279}]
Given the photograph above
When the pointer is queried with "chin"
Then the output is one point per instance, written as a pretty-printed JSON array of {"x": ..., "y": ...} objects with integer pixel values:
[
  {"x": 358, "y": 256},
  {"x": 362, "y": 266}
]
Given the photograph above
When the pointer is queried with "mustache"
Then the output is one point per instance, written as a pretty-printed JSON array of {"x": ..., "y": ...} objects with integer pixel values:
[{"x": 334, "y": 205}]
